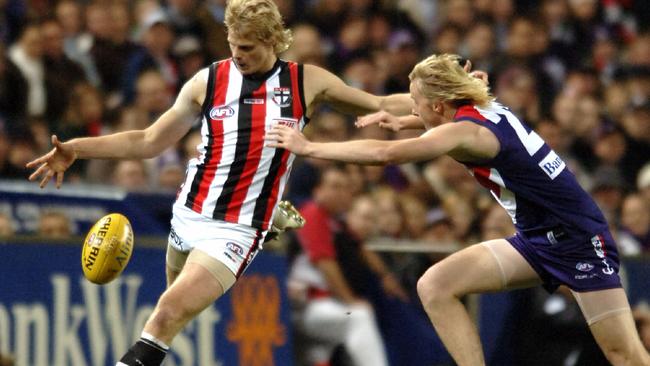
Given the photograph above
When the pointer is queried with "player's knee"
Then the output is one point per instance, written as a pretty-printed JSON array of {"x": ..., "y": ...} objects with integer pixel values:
[
  {"x": 433, "y": 288},
  {"x": 169, "y": 315}
]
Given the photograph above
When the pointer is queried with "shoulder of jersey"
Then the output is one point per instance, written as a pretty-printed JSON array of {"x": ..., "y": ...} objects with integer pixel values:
[{"x": 107, "y": 249}]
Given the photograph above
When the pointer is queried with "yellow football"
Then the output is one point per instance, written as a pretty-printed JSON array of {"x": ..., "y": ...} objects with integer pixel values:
[{"x": 107, "y": 248}]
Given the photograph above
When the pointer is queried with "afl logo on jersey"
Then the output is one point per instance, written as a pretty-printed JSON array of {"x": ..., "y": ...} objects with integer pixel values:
[
  {"x": 282, "y": 96},
  {"x": 221, "y": 112}
]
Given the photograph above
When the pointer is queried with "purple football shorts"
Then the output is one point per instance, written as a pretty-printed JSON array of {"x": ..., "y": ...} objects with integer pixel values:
[{"x": 581, "y": 262}]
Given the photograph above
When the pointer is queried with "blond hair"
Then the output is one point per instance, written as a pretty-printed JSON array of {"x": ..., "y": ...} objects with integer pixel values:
[
  {"x": 440, "y": 77},
  {"x": 260, "y": 19}
]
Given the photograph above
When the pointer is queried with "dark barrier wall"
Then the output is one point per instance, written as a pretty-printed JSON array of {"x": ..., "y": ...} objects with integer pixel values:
[
  {"x": 149, "y": 213},
  {"x": 50, "y": 315}
]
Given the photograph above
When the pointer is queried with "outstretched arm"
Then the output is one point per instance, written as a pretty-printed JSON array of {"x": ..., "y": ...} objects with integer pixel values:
[
  {"x": 323, "y": 86},
  {"x": 461, "y": 139},
  {"x": 390, "y": 122},
  {"x": 135, "y": 144}
]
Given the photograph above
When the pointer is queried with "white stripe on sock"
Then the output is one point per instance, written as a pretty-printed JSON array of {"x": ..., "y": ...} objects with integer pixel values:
[{"x": 155, "y": 340}]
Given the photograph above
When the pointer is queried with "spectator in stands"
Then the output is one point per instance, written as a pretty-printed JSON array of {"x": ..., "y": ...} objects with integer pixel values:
[
  {"x": 84, "y": 113},
  {"x": 190, "y": 57},
  {"x": 54, "y": 225},
  {"x": 440, "y": 230},
  {"x": 352, "y": 40},
  {"x": 22, "y": 149},
  {"x": 389, "y": 219},
  {"x": 13, "y": 93},
  {"x": 634, "y": 233},
  {"x": 362, "y": 73},
  {"x": 415, "y": 216},
  {"x": 157, "y": 39},
  {"x": 639, "y": 50},
  {"x": 635, "y": 123},
  {"x": 27, "y": 55},
  {"x": 61, "y": 70},
  {"x": 447, "y": 39},
  {"x": 77, "y": 42},
  {"x": 643, "y": 182},
  {"x": 331, "y": 270},
  {"x": 152, "y": 94},
  {"x": 496, "y": 223},
  {"x": 517, "y": 88},
  {"x": 610, "y": 147},
  {"x": 521, "y": 52},
  {"x": 211, "y": 15},
  {"x": 403, "y": 54},
  {"x": 130, "y": 175},
  {"x": 108, "y": 24},
  {"x": 307, "y": 46},
  {"x": 608, "y": 190},
  {"x": 479, "y": 46},
  {"x": 7, "y": 170},
  {"x": 170, "y": 176},
  {"x": 7, "y": 228}
]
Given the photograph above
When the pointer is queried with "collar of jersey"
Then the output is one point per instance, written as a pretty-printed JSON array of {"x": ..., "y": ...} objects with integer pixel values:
[{"x": 264, "y": 76}]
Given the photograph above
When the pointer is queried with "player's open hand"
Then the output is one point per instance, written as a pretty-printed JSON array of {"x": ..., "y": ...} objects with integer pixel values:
[
  {"x": 289, "y": 138},
  {"x": 382, "y": 118},
  {"x": 54, "y": 163}
]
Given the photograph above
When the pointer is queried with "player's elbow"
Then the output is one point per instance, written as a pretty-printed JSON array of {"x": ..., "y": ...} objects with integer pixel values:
[{"x": 151, "y": 145}]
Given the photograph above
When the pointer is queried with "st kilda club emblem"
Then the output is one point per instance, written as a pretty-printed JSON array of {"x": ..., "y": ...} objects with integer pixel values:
[{"x": 282, "y": 96}]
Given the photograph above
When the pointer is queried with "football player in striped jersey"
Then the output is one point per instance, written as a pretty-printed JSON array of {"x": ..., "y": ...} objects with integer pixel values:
[{"x": 226, "y": 205}]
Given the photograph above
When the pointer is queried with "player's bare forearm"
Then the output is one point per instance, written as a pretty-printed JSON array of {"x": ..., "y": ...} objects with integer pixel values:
[
  {"x": 366, "y": 152},
  {"x": 121, "y": 145},
  {"x": 397, "y": 104},
  {"x": 431, "y": 144},
  {"x": 136, "y": 144}
]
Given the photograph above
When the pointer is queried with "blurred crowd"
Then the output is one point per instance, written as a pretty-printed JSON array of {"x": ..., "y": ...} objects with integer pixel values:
[{"x": 577, "y": 71}]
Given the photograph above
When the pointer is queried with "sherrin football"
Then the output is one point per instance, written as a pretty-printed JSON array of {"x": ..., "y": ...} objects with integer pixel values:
[{"x": 107, "y": 248}]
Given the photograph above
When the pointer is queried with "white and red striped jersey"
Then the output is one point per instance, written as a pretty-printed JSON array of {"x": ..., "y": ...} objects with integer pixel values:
[{"x": 236, "y": 178}]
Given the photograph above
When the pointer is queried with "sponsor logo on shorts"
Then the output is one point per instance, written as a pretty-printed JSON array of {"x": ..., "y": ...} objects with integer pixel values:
[
  {"x": 235, "y": 248},
  {"x": 584, "y": 267},
  {"x": 599, "y": 248},
  {"x": 175, "y": 240},
  {"x": 608, "y": 270}
]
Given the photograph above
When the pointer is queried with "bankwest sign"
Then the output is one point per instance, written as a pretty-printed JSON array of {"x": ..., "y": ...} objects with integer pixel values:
[{"x": 50, "y": 315}]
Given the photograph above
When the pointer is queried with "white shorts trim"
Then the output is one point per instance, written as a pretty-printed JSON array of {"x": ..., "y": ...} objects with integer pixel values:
[{"x": 234, "y": 245}]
